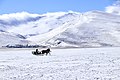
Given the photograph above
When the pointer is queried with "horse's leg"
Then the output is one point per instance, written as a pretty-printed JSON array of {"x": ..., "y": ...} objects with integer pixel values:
[
  {"x": 46, "y": 53},
  {"x": 49, "y": 53}
]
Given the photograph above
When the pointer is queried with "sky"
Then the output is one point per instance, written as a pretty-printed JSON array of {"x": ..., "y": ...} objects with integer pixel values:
[{"x": 44, "y": 6}]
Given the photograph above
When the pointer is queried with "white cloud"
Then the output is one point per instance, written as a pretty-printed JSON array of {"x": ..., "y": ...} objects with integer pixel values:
[
  {"x": 17, "y": 16},
  {"x": 115, "y": 8}
]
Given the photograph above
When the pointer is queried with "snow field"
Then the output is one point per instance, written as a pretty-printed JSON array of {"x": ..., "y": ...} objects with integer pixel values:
[{"x": 62, "y": 64}]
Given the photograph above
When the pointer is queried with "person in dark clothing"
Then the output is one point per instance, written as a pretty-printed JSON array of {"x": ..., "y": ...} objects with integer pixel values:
[{"x": 37, "y": 51}]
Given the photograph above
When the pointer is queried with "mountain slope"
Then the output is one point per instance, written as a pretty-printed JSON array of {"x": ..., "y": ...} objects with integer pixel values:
[
  {"x": 102, "y": 29},
  {"x": 7, "y": 38},
  {"x": 61, "y": 29}
]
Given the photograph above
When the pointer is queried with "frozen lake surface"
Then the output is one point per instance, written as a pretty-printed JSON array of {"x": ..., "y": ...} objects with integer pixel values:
[{"x": 62, "y": 64}]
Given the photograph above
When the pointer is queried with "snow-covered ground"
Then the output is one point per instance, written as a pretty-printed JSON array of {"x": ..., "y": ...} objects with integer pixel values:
[{"x": 62, "y": 64}]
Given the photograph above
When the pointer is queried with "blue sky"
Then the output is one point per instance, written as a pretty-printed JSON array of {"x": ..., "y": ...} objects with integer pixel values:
[{"x": 44, "y": 6}]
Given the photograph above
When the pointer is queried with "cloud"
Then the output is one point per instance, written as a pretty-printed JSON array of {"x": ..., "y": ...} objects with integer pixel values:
[
  {"x": 18, "y": 16},
  {"x": 115, "y": 8},
  {"x": 117, "y": 3}
]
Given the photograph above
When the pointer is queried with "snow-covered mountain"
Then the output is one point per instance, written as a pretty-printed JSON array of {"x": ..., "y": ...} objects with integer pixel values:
[
  {"x": 7, "y": 38},
  {"x": 61, "y": 29}
]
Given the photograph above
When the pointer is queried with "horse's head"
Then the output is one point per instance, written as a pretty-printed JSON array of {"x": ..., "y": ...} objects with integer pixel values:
[{"x": 48, "y": 49}]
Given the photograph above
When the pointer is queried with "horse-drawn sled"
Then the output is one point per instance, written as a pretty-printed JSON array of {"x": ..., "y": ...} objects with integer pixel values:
[{"x": 42, "y": 52}]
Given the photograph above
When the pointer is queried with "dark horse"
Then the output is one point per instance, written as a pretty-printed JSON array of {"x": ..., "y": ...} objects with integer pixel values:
[
  {"x": 46, "y": 51},
  {"x": 41, "y": 52}
]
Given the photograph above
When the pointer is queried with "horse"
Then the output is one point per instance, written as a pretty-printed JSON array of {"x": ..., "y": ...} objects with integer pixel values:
[{"x": 46, "y": 51}]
